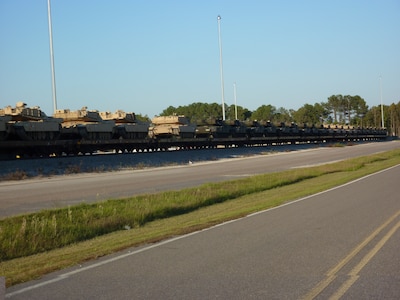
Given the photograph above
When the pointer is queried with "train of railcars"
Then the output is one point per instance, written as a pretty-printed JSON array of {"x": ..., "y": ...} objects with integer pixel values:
[{"x": 29, "y": 132}]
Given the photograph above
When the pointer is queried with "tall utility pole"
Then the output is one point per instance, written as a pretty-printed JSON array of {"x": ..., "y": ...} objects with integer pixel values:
[
  {"x": 380, "y": 87},
  {"x": 221, "y": 68},
  {"x": 53, "y": 75}
]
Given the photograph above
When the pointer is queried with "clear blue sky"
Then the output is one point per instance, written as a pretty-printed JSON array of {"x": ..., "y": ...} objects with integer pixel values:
[{"x": 146, "y": 55}]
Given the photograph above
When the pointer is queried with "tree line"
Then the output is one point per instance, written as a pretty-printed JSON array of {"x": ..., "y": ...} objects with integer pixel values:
[{"x": 341, "y": 110}]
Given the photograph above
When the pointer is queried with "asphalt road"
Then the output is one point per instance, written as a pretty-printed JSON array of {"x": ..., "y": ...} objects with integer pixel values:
[
  {"x": 60, "y": 191},
  {"x": 340, "y": 243}
]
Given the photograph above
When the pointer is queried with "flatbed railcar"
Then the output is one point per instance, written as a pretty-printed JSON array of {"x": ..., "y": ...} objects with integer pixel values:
[
  {"x": 18, "y": 149},
  {"x": 25, "y": 132}
]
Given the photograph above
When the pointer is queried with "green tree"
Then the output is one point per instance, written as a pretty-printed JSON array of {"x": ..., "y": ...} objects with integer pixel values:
[
  {"x": 264, "y": 112},
  {"x": 242, "y": 113},
  {"x": 142, "y": 118},
  {"x": 334, "y": 104},
  {"x": 347, "y": 109},
  {"x": 309, "y": 114},
  {"x": 195, "y": 111},
  {"x": 394, "y": 118},
  {"x": 373, "y": 117},
  {"x": 170, "y": 110},
  {"x": 283, "y": 115},
  {"x": 359, "y": 108}
]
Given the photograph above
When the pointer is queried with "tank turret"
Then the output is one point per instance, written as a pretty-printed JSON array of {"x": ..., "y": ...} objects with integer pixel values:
[
  {"x": 171, "y": 126},
  {"x": 85, "y": 124},
  {"x": 127, "y": 126}
]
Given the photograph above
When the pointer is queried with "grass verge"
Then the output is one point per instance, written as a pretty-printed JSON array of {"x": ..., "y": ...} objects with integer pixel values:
[{"x": 151, "y": 218}]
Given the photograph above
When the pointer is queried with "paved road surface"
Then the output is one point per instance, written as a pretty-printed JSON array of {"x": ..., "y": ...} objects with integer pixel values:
[
  {"x": 343, "y": 242},
  {"x": 60, "y": 191}
]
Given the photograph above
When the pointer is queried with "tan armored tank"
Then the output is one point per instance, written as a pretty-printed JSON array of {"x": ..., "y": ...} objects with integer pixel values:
[
  {"x": 171, "y": 126},
  {"x": 30, "y": 123},
  {"x": 217, "y": 128},
  {"x": 85, "y": 124},
  {"x": 127, "y": 126},
  {"x": 212, "y": 128},
  {"x": 238, "y": 128},
  {"x": 254, "y": 128}
]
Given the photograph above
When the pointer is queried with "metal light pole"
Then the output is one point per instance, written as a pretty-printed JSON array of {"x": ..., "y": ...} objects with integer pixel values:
[
  {"x": 53, "y": 75},
  {"x": 221, "y": 68},
  {"x": 380, "y": 87}
]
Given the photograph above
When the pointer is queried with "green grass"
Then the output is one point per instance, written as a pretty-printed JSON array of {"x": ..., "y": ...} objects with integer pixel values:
[{"x": 34, "y": 244}]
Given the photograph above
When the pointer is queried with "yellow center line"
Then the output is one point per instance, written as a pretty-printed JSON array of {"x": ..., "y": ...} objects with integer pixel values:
[
  {"x": 331, "y": 274},
  {"x": 354, "y": 272}
]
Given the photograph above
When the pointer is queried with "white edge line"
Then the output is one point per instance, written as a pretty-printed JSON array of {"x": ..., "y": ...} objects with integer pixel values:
[{"x": 110, "y": 260}]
